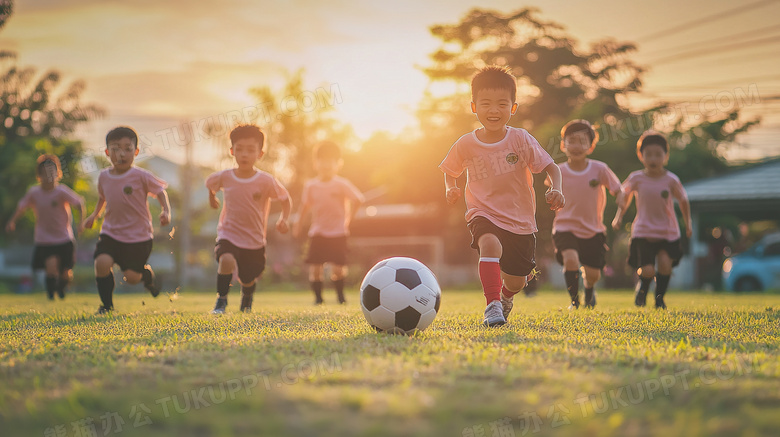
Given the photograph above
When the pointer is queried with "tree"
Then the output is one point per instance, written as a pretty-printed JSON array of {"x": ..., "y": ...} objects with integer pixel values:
[
  {"x": 38, "y": 113},
  {"x": 294, "y": 120}
]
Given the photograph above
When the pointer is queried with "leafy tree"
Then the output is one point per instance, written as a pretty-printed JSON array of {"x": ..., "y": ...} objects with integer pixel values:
[
  {"x": 294, "y": 120},
  {"x": 38, "y": 113}
]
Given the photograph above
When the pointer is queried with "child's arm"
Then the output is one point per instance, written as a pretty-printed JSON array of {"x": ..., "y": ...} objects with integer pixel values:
[
  {"x": 554, "y": 195},
  {"x": 89, "y": 221},
  {"x": 623, "y": 202},
  {"x": 165, "y": 214},
  {"x": 213, "y": 201},
  {"x": 281, "y": 225},
  {"x": 452, "y": 192},
  {"x": 20, "y": 208},
  {"x": 82, "y": 209},
  {"x": 354, "y": 204},
  {"x": 298, "y": 225},
  {"x": 685, "y": 208}
]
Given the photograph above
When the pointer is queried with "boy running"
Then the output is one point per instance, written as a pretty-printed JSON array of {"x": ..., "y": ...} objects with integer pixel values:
[
  {"x": 242, "y": 223},
  {"x": 499, "y": 161},
  {"x": 127, "y": 231}
]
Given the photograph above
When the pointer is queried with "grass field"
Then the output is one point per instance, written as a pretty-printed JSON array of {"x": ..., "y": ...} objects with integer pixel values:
[{"x": 707, "y": 367}]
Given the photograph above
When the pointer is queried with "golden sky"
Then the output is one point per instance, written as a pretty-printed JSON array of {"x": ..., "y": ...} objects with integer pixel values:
[{"x": 154, "y": 63}]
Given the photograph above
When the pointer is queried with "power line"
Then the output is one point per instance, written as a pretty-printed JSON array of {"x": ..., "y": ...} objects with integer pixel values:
[
  {"x": 724, "y": 48},
  {"x": 725, "y": 82},
  {"x": 704, "y": 20},
  {"x": 727, "y": 38}
]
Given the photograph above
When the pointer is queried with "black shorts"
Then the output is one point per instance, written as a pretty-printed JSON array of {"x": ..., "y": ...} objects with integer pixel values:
[
  {"x": 65, "y": 253},
  {"x": 129, "y": 256},
  {"x": 250, "y": 262},
  {"x": 642, "y": 251},
  {"x": 518, "y": 251},
  {"x": 591, "y": 251},
  {"x": 327, "y": 250}
]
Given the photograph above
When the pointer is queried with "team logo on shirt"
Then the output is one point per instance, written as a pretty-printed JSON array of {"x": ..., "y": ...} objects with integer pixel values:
[
  {"x": 512, "y": 158},
  {"x": 53, "y": 203},
  {"x": 593, "y": 183},
  {"x": 257, "y": 196},
  {"x": 665, "y": 194},
  {"x": 128, "y": 190}
]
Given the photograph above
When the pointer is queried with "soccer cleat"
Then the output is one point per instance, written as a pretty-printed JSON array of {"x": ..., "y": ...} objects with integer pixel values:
[
  {"x": 103, "y": 310},
  {"x": 590, "y": 299},
  {"x": 530, "y": 292},
  {"x": 640, "y": 297},
  {"x": 659, "y": 302},
  {"x": 219, "y": 307},
  {"x": 494, "y": 314},
  {"x": 575, "y": 304},
  {"x": 506, "y": 305},
  {"x": 148, "y": 280},
  {"x": 318, "y": 302},
  {"x": 246, "y": 304}
]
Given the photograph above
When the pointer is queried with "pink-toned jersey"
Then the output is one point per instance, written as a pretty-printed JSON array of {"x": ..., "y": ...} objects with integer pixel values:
[
  {"x": 127, "y": 216},
  {"x": 499, "y": 183},
  {"x": 583, "y": 214},
  {"x": 655, "y": 217},
  {"x": 52, "y": 213},
  {"x": 328, "y": 201},
  {"x": 245, "y": 206}
]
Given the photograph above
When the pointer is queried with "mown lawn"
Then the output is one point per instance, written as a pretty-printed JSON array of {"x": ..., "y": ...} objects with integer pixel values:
[{"x": 707, "y": 367}]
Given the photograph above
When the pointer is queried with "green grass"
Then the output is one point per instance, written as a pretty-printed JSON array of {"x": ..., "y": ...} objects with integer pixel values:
[{"x": 707, "y": 367}]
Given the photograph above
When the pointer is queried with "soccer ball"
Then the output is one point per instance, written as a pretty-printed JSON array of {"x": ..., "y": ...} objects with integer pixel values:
[{"x": 400, "y": 296}]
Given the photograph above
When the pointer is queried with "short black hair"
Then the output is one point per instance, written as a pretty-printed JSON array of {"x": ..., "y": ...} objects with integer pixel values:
[
  {"x": 120, "y": 132},
  {"x": 326, "y": 150},
  {"x": 651, "y": 137},
  {"x": 580, "y": 125},
  {"x": 247, "y": 131},
  {"x": 494, "y": 77},
  {"x": 48, "y": 159}
]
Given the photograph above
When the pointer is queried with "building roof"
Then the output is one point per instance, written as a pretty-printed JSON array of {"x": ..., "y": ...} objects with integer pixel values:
[{"x": 748, "y": 191}]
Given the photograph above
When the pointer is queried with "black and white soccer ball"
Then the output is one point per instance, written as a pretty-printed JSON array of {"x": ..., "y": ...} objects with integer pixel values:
[{"x": 400, "y": 296}]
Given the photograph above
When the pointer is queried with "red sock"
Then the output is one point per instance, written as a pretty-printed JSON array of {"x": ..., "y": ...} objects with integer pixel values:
[
  {"x": 508, "y": 293},
  {"x": 490, "y": 276}
]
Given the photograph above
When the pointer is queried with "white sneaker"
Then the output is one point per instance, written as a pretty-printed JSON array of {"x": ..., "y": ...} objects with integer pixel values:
[
  {"x": 494, "y": 314},
  {"x": 506, "y": 304}
]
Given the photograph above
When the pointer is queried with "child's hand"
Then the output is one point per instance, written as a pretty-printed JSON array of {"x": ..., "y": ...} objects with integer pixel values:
[
  {"x": 165, "y": 218},
  {"x": 282, "y": 226},
  {"x": 453, "y": 194},
  {"x": 688, "y": 230},
  {"x": 10, "y": 227},
  {"x": 555, "y": 199},
  {"x": 80, "y": 228},
  {"x": 213, "y": 201},
  {"x": 89, "y": 221},
  {"x": 616, "y": 222}
]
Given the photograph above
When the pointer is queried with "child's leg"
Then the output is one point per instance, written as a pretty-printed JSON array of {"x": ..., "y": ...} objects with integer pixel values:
[
  {"x": 571, "y": 272},
  {"x": 315, "y": 280},
  {"x": 337, "y": 275},
  {"x": 646, "y": 274},
  {"x": 590, "y": 277},
  {"x": 513, "y": 284},
  {"x": 662, "y": 277},
  {"x": 105, "y": 279},
  {"x": 490, "y": 252},
  {"x": 247, "y": 295},
  {"x": 52, "y": 275},
  {"x": 225, "y": 269},
  {"x": 65, "y": 277},
  {"x": 132, "y": 277}
]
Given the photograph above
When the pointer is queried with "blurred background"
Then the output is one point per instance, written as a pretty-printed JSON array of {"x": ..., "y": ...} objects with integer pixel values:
[{"x": 389, "y": 81}]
